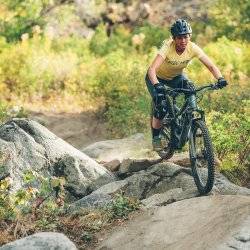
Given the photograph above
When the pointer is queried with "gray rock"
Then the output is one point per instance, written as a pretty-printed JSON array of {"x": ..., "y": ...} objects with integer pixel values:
[
  {"x": 161, "y": 199},
  {"x": 93, "y": 200},
  {"x": 41, "y": 241},
  {"x": 63, "y": 20},
  {"x": 112, "y": 187},
  {"x": 198, "y": 223},
  {"x": 112, "y": 165},
  {"x": 89, "y": 12},
  {"x": 100, "y": 197},
  {"x": 140, "y": 184},
  {"x": 166, "y": 176},
  {"x": 128, "y": 166},
  {"x": 224, "y": 186},
  {"x": 172, "y": 195},
  {"x": 135, "y": 147},
  {"x": 27, "y": 145},
  {"x": 240, "y": 239}
]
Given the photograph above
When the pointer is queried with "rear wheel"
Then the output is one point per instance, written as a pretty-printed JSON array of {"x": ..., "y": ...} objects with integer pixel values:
[
  {"x": 166, "y": 138},
  {"x": 201, "y": 157}
]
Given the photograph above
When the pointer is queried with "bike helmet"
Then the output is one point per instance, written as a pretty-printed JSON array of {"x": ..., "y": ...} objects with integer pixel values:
[{"x": 180, "y": 27}]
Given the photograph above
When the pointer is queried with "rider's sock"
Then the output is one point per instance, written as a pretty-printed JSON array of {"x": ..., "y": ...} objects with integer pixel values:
[{"x": 156, "y": 132}]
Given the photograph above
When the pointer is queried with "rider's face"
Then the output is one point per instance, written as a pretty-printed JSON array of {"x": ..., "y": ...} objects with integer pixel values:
[{"x": 181, "y": 41}]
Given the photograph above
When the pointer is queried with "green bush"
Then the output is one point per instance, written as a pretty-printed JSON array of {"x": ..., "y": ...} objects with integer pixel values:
[
  {"x": 119, "y": 82},
  {"x": 154, "y": 36},
  {"x": 101, "y": 44},
  {"x": 230, "y": 18}
]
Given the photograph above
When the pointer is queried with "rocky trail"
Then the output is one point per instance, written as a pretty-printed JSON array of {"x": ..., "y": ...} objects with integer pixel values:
[{"x": 172, "y": 216}]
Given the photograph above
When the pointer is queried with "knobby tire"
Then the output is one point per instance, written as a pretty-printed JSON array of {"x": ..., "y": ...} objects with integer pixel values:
[{"x": 206, "y": 186}]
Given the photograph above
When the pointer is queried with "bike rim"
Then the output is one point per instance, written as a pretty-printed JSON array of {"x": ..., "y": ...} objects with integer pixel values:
[{"x": 201, "y": 165}]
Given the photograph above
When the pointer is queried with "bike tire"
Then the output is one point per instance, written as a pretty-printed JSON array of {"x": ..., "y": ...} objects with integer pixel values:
[
  {"x": 166, "y": 133},
  {"x": 202, "y": 162}
]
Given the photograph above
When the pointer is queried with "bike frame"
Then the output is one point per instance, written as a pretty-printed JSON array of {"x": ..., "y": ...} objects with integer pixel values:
[{"x": 186, "y": 115}]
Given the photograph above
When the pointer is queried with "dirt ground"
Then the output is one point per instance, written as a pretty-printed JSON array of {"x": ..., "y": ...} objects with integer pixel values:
[{"x": 78, "y": 129}]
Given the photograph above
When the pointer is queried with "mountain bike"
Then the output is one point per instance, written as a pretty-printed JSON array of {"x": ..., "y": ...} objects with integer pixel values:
[{"x": 186, "y": 123}]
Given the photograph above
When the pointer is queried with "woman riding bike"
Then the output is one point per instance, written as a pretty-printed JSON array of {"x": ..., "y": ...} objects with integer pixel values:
[{"x": 167, "y": 69}]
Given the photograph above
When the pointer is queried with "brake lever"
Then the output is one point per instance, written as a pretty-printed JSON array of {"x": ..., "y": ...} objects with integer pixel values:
[{"x": 214, "y": 87}]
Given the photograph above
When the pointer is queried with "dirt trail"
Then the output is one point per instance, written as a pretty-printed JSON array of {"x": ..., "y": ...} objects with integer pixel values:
[{"x": 78, "y": 129}]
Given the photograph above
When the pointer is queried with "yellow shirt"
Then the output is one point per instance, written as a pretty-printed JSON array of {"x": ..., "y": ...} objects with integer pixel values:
[{"x": 174, "y": 64}]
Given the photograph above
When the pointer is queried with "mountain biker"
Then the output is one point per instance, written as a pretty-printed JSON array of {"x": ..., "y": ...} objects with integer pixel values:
[{"x": 167, "y": 69}]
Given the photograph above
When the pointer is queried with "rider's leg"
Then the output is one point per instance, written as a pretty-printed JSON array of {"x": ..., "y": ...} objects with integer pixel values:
[
  {"x": 156, "y": 118},
  {"x": 179, "y": 81}
]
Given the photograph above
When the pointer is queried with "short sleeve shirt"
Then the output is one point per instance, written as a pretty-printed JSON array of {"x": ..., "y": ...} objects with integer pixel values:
[{"x": 174, "y": 64}]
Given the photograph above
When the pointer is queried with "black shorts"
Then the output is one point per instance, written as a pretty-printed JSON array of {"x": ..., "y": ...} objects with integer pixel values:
[{"x": 179, "y": 81}]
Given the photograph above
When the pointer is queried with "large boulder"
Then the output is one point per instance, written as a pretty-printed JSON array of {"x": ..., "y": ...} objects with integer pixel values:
[
  {"x": 210, "y": 222},
  {"x": 41, "y": 241},
  {"x": 27, "y": 145}
]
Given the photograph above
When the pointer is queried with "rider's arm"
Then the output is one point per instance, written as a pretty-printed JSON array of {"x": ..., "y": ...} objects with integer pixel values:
[
  {"x": 211, "y": 66},
  {"x": 152, "y": 69}
]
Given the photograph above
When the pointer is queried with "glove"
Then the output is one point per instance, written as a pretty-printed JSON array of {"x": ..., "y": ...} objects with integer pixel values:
[
  {"x": 221, "y": 83},
  {"x": 159, "y": 88}
]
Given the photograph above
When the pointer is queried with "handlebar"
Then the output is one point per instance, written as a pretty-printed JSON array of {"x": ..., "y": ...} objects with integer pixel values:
[{"x": 175, "y": 91}]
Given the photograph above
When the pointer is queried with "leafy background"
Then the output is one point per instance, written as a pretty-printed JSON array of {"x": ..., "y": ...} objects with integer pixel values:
[{"x": 105, "y": 73}]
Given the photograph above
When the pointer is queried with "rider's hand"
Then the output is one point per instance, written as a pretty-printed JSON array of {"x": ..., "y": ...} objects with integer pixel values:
[
  {"x": 221, "y": 83},
  {"x": 159, "y": 88}
]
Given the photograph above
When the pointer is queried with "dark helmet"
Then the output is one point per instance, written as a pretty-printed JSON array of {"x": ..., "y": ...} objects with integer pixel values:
[{"x": 180, "y": 27}]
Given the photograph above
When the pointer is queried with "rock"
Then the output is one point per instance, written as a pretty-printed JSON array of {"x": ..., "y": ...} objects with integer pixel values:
[
  {"x": 140, "y": 184},
  {"x": 161, "y": 184},
  {"x": 63, "y": 21},
  {"x": 138, "y": 11},
  {"x": 135, "y": 147},
  {"x": 112, "y": 187},
  {"x": 89, "y": 12},
  {"x": 161, "y": 199},
  {"x": 112, "y": 165},
  {"x": 93, "y": 200},
  {"x": 78, "y": 181},
  {"x": 183, "y": 160},
  {"x": 173, "y": 195},
  {"x": 100, "y": 197},
  {"x": 27, "y": 145},
  {"x": 41, "y": 241},
  {"x": 128, "y": 166},
  {"x": 206, "y": 222},
  {"x": 224, "y": 186},
  {"x": 240, "y": 239}
]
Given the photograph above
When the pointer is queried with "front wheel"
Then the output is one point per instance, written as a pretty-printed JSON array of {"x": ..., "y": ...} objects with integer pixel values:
[{"x": 201, "y": 157}]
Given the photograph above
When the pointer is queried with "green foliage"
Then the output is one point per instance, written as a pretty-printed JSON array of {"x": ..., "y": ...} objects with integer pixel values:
[
  {"x": 232, "y": 58},
  {"x": 20, "y": 16},
  {"x": 238, "y": 143},
  {"x": 101, "y": 44},
  {"x": 123, "y": 91},
  {"x": 230, "y": 18},
  {"x": 111, "y": 69},
  {"x": 37, "y": 190},
  {"x": 154, "y": 36},
  {"x": 121, "y": 206}
]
